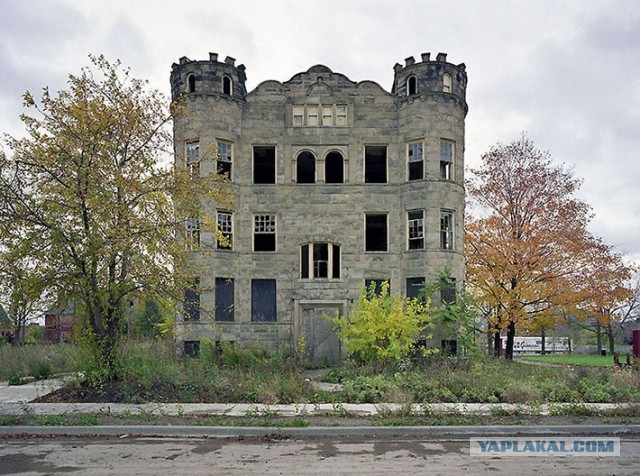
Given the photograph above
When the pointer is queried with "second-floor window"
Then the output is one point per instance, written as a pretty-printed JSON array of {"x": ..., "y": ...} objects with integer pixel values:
[
  {"x": 446, "y": 229},
  {"x": 306, "y": 168},
  {"x": 375, "y": 238},
  {"x": 415, "y": 229},
  {"x": 447, "y": 149},
  {"x": 264, "y": 164},
  {"x": 375, "y": 164}
]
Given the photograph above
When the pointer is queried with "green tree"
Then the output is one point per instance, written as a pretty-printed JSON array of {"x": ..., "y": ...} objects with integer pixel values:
[
  {"x": 383, "y": 328},
  {"x": 88, "y": 196}
]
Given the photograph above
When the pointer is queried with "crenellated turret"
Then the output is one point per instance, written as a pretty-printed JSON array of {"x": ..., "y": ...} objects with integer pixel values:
[
  {"x": 210, "y": 77},
  {"x": 430, "y": 77}
]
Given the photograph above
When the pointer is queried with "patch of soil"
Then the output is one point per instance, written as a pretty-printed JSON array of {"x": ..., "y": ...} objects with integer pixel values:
[{"x": 116, "y": 392}]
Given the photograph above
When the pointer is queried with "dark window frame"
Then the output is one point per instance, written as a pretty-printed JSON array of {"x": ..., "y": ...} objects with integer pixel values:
[
  {"x": 262, "y": 311},
  {"x": 334, "y": 167},
  {"x": 306, "y": 167},
  {"x": 225, "y": 300},
  {"x": 375, "y": 166},
  {"x": 264, "y": 164},
  {"x": 373, "y": 225}
]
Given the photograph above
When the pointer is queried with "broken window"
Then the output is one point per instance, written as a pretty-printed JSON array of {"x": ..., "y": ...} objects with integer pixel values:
[
  {"x": 375, "y": 164},
  {"x": 192, "y": 301},
  {"x": 225, "y": 227},
  {"x": 376, "y": 232},
  {"x": 334, "y": 168},
  {"x": 192, "y": 233},
  {"x": 412, "y": 87},
  {"x": 446, "y": 229},
  {"x": 320, "y": 260},
  {"x": 225, "y": 158},
  {"x": 415, "y": 287},
  {"x": 193, "y": 159},
  {"x": 226, "y": 85},
  {"x": 447, "y": 149},
  {"x": 448, "y": 291},
  {"x": 264, "y": 233},
  {"x": 306, "y": 168},
  {"x": 192, "y": 348},
  {"x": 263, "y": 300},
  {"x": 224, "y": 299},
  {"x": 415, "y": 159},
  {"x": 376, "y": 284},
  {"x": 415, "y": 232},
  {"x": 264, "y": 164},
  {"x": 191, "y": 83},
  {"x": 446, "y": 83}
]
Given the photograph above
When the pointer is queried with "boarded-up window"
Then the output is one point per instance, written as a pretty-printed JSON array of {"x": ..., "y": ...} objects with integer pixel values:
[
  {"x": 341, "y": 115},
  {"x": 327, "y": 115},
  {"x": 376, "y": 232},
  {"x": 334, "y": 168},
  {"x": 298, "y": 115},
  {"x": 224, "y": 299},
  {"x": 375, "y": 164},
  {"x": 263, "y": 300},
  {"x": 414, "y": 288},
  {"x": 192, "y": 301},
  {"x": 312, "y": 115},
  {"x": 306, "y": 168},
  {"x": 264, "y": 164}
]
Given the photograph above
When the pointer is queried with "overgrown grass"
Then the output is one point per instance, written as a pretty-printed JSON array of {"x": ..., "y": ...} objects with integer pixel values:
[
  {"x": 39, "y": 361},
  {"x": 587, "y": 360}
]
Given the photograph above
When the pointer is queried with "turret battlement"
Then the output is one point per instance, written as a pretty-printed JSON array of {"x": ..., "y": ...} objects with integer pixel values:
[{"x": 208, "y": 77}]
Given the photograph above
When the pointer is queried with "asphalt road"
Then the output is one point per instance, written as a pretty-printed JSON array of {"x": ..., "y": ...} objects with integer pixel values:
[{"x": 110, "y": 455}]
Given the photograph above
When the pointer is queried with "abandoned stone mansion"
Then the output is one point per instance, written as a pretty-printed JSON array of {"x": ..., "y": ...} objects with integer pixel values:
[{"x": 336, "y": 184}]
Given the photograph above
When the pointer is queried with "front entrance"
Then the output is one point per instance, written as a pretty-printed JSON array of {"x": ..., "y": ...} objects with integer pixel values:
[{"x": 321, "y": 344}]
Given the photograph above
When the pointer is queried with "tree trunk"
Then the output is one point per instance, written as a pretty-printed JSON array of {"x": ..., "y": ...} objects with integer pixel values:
[
  {"x": 612, "y": 342},
  {"x": 544, "y": 346},
  {"x": 599, "y": 337},
  {"x": 511, "y": 334}
]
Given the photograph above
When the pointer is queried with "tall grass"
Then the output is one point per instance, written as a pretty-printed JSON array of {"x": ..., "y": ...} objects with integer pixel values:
[{"x": 39, "y": 361}]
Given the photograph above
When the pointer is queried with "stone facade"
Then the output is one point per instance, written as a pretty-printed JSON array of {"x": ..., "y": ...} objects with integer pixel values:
[{"x": 360, "y": 183}]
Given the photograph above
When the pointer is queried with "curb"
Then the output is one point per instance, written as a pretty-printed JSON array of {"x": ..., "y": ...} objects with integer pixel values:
[
  {"x": 307, "y": 409},
  {"x": 435, "y": 432}
]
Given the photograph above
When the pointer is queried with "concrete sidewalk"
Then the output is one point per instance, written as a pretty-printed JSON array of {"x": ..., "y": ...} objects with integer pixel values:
[{"x": 28, "y": 391}]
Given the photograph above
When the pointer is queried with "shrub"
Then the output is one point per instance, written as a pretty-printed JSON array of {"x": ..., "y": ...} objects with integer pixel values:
[{"x": 382, "y": 328}]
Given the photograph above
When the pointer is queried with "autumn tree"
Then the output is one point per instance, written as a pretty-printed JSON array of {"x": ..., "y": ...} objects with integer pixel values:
[
  {"x": 86, "y": 198},
  {"x": 525, "y": 235}
]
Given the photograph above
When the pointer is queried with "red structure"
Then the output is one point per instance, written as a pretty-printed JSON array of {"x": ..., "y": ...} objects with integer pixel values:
[{"x": 58, "y": 327}]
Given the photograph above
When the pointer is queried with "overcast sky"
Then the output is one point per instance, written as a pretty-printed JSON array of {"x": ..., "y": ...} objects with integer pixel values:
[{"x": 566, "y": 72}]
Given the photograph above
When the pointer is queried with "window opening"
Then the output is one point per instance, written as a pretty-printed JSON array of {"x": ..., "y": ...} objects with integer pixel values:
[
  {"x": 191, "y": 83},
  {"x": 225, "y": 158},
  {"x": 226, "y": 85},
  {"x": 334, "y": 168},
  {"x": 446, "y": 83},
  {"x": 193, "y": 159},
  {"x": 446, "y": 230},
  {"x": 320, "y": 261},
  {"x": 415, "y": 158},
  {"x": 264, "y": 164},
  {"x": 415, "y": 224},
  {"x": 306, "y": 168},
  {"x": 225, "y": 227},
  {"x": 192, "y": 301},
  {"x": 411, "y": 86},
  {"x": 415, "y": 287},
  {"x": 446, "y": 159},
  {"x": 264, "y": 233},
  {"x": 376, "y": 232},
  {"x": 375, "y": 164}
]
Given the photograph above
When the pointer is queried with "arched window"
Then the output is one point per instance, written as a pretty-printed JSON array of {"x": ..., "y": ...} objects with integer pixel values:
[
  {"x": 191, "y": 83},
  {"x": 446, "y": 83},
  {"x": 334, "y": 168},
  {"x": 226, "y": 85},
  {"x": 306, "y": 168},
  {"x": 412, "y": 86}
]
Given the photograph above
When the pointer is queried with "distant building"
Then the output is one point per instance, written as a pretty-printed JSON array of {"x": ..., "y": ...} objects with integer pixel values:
[
  {"x": 337, "y": 184},
  {"x": 58, "y": 325}
]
